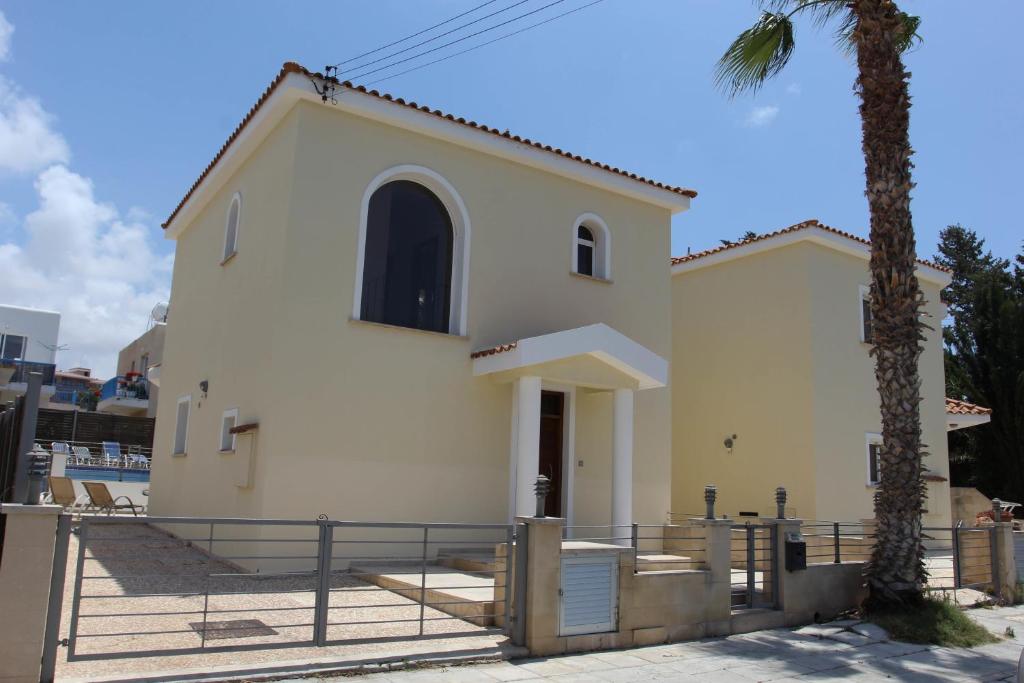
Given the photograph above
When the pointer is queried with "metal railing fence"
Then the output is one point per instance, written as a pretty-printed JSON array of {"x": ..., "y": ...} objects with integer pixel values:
[
  {"x": 169, "y": 585},
  {"x": 836, "y": 542},
  {"x": 656, "y": 547}
]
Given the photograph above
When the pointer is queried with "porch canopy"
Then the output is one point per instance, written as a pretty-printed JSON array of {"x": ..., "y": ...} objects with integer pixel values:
[{"x": 595, "y": 357}]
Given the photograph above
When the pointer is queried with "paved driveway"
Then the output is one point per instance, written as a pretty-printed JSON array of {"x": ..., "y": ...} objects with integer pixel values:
[{"x": 813, "y": 653}]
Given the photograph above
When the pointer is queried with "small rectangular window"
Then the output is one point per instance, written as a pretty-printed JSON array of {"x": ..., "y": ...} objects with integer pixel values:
[
  {"x": 228, "y": 422},
  {"x": 874, "y": 451},
  {"x": 181, "y": 425},
  {"x": 13, "y": 347},
  {"x": 865, "y": 315}
]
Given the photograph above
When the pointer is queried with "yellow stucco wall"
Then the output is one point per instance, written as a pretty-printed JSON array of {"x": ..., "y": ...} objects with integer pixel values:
[
  {"x": 361, "y": 421},
  {"x": 767, "y": 347}
]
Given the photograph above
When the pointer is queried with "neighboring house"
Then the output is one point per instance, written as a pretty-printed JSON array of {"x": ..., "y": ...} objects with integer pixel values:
[
  {"x": 774, "y": 384},
  {"x": 133, "y": 391},
  {"x": 384, "y": 312},
  {"x": 961, "y": 414},
  {"x": 70, "y": 386},
  {"x": 28, "y": 343}
]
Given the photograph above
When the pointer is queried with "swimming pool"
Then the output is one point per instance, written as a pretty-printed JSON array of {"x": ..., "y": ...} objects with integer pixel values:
[{"x": 106, "y": 473}]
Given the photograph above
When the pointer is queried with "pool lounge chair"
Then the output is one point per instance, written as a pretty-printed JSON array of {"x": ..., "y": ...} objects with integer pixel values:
[
  {"x": 102, "y": 501},
  {"x": 60, "y": 448},
  {"x": 112, "y": 454},
  {"x": 82, "y": 455},
  {"x": 138, "y": 460},
  {"x": 62, "y": 492}
]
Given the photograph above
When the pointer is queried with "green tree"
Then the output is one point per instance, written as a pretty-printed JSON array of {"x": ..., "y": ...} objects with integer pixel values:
[
  {"x": 984, "y": 357},
  {"x": 878, "y": 33}
]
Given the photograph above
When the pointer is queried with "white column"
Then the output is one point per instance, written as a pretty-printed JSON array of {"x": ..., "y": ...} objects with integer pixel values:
[
  {"x": 527, "y": 443},
  {"x": 622, "y": 463}
]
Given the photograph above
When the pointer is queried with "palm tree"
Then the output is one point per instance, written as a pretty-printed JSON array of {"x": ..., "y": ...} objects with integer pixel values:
[{"x": 878, "y": 33}]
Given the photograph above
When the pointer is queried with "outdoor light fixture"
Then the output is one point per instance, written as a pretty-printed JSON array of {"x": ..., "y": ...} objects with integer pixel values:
[
  {"x": 729, "y": 441},
  {"x": 204, "y": 386}
]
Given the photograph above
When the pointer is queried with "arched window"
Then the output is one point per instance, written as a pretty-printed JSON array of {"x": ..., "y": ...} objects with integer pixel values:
[
  {"x": 231, "y": 227},
  {"x": 584, "y": 250},
  {"x": 591, "y": 253},
  {"x": 407, "y": 263}
]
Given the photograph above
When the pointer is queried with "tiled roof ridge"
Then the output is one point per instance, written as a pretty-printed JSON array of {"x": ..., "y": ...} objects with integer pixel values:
[
  {"x": 957, "y": 407},
  {"x": 294, "y": 67},
  {"x": 803, "y": 225},
  {"x": 494, "y": 350}
]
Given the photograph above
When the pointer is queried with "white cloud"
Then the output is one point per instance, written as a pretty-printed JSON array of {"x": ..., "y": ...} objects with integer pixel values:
[
  {"x": 83, "y": 259},
  {"x": 6, "y": 30},
  {"x": 73, "y": 253},
  {"x": 28, "y": 141},
  {"x": 794, "y": 89},
  {"x": 761, "y": 116}
]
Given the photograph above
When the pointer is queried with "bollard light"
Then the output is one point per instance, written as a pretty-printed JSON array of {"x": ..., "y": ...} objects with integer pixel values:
[
  {"x": 780, "y": 502},
  {"x": 542, "y": 488},
  {"x": 710, "y": 493}
]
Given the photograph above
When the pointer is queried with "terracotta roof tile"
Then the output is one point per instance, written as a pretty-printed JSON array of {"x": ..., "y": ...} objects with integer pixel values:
[
  {"x": 292, "y": 67},
  {"x": 812, "y": 223},
  {"x": 494, "y": 350},
  {"x": 956, "y": 407}
]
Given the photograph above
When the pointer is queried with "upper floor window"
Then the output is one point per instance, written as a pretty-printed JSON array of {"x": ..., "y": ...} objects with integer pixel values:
[
  {"x": 231, "y": 227},
  {"x": 181, "y": 425},
  {"x": 865, "y": 314},
  {"x": 591, "y": 255},
  {"x": 407, "y": 263},
  {"x": 12, "y": 346},
  {"x": 874, "y": 449},
  {"x": 228, "y": 421}
]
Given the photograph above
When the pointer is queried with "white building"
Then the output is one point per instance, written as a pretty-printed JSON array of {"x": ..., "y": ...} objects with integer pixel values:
[{"x": 28, "y": 343}]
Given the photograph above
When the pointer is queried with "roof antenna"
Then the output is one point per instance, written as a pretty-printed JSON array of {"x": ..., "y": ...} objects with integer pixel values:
[
  {"x": 329, "y": 82},
  {"x": 687, "y": 251}
]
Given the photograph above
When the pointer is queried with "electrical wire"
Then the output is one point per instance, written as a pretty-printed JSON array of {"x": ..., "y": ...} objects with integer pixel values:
[
  {"x": 484, "y": 44},
  {"x": 452, "y": 42},
  {"x": 413, "y": 35},
  {"x": 430, "y": 40}
]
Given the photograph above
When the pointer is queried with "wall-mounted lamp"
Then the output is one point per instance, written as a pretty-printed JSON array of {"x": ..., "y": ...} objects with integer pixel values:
[
  {"x": 729, "y": 442},
  {"x": 204, "y": 386}
]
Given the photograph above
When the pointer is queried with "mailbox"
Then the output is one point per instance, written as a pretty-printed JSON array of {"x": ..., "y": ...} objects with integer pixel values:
[{"x": 796, "y": 552}]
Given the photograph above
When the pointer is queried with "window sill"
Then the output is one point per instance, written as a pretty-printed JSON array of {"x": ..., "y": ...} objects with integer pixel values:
[
  {"x": 178, "y": 455},
  {"x": 227, "y": 452},
  {"x": 386, "y": 326},
  {"x": 229, "y": 257},
  {"x": 592, "y": 278}
]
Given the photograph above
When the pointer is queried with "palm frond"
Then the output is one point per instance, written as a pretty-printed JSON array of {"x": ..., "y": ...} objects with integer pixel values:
[
  {"x": 908, "y": 39},
  {"x": 822, "y": 11},
  {"x": 756, "y": 55}
]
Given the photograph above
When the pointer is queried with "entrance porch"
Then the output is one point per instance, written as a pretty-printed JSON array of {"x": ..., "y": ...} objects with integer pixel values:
[{"x": 546, "y": 374}]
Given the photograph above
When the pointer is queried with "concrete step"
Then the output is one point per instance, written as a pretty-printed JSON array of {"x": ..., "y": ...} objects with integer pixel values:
[
  {"x": 467, "y": 559},
  {"x": 662, "y": 562},
  {"x": 461, "y": 594}
]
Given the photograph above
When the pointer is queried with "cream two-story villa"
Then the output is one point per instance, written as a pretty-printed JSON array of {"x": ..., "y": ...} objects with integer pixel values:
[
  {"x": 385, "y": 312},
  {"x": 773, "y": 337}
]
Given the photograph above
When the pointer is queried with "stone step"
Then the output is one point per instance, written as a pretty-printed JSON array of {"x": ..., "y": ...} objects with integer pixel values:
[
  {"x": 461, "y": 594},
  {"x": 663, "y": 562},
  {"x": 467, "y": 559}
]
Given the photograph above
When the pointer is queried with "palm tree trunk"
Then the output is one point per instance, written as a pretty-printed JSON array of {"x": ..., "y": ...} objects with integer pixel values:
[{"x": 895, "y": 573}]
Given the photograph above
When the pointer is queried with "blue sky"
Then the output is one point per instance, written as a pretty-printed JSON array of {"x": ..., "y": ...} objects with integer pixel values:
[{"x": 108, "y": 111}]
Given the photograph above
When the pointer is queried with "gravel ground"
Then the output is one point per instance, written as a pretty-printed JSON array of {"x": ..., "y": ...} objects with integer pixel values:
[{"x": 132, "y": 601}]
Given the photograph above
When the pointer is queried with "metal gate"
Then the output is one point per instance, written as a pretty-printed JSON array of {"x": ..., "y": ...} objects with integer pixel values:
[
  {"x": 753, "y": 550},
  {"x": 169, "y": 585}
]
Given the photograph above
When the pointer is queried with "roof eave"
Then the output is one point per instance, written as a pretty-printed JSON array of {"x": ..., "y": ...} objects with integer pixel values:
[
  {"x": 814, "y": 234},
  {"x": 294, "y": 84}
]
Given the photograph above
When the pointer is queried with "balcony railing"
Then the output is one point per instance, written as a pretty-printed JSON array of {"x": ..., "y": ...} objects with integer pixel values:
[
  {"x": 23, "y": 367},
  {"x": 125, "y": 387}
]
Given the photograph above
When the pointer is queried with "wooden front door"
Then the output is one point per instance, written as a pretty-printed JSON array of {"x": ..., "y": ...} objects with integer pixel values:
[{"x": 552, "y": 411}]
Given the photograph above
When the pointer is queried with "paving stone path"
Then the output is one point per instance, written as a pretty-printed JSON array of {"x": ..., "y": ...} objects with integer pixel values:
[{"x": 840, "y": 651}]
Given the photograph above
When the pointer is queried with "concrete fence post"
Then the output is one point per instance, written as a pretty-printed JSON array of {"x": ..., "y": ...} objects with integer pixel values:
[
  {"x": 718, "y": 562},
  {"x": 25, "y": 572},
  {"x": 543, "y": 581},
  {"x": 1004, "y": 562}
]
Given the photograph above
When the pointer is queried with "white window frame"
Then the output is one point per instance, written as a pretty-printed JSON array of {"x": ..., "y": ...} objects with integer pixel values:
[
  {"x": 461, "y": 229},
  {"x": 236, "y": 199},
  {"x": 871, "y": 439},
  {"x": 602, "y": 246},
  {"x": 232, "y": 413},
  {"x": 3, "y": 345},
  {"x": 863, "y": 294},
  {"x": 187, "y": 399}
]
